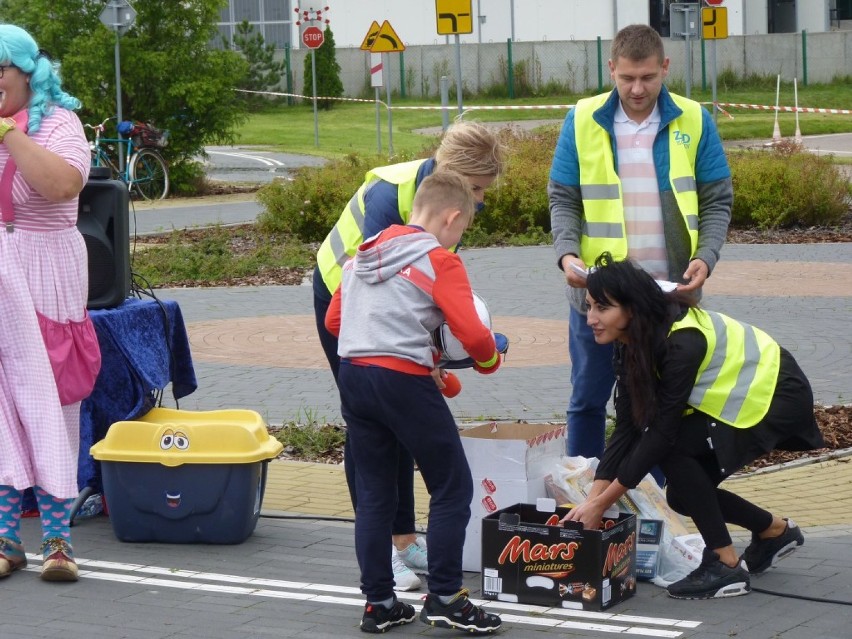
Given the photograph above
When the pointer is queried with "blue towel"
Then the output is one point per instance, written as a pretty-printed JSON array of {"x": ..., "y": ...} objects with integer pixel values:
[{"x": 144, "y": 346}]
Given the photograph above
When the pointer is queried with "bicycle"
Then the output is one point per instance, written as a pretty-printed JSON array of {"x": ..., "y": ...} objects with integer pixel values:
[{"x": 145, "y": 171}]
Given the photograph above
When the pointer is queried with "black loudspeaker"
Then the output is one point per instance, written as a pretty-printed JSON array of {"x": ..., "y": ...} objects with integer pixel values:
[{"x": 103, "y": 217}]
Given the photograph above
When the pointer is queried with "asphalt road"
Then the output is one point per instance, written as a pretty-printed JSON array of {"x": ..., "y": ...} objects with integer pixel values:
[{"x": 246, "y": 164}]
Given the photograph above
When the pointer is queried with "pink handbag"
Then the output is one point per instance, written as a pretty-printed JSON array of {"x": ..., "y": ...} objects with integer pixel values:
[{"x": 72, "y": 347}]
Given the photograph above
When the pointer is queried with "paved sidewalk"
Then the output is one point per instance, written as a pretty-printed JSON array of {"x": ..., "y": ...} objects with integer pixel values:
[
  {"x": 296, "y": 576},
  {"x": 815, "y": 493}
]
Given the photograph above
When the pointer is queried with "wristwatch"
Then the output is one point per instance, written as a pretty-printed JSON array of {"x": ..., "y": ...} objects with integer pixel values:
[{"x": 6, "y": 125}]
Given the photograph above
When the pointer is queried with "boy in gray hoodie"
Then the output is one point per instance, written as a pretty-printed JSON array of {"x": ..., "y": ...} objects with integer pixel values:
[{"x": 400, "y": 286}]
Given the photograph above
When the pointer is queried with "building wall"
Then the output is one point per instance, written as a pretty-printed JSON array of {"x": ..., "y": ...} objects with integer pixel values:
[
  {"x": 573, "y": 65},
  {"x": 812, "y": 15},
  {"x": 534, "y": 20}
]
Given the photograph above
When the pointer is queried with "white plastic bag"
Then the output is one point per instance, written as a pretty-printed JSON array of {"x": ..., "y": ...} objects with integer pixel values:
[{"x": 680, "y": 551}]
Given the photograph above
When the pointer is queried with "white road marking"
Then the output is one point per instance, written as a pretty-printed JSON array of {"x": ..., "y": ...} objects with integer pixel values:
[
  {"x": 247, "y": 156},
  {"x": 537, "y": 616}
]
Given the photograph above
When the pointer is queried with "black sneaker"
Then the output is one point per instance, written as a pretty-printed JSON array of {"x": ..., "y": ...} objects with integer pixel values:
[
  {"x": 460, "y": 613},
  {"x": 712, "y": 579},
  {"x": 377, "y": 618},
  {"x": 762, "y": 554}
]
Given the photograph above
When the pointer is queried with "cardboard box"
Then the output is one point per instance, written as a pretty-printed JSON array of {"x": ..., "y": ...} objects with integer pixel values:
[
  {"x": 528, "y": 557},
  {"x": 508, "y": 462},
  {"x": 648, "y": 538},
  {"x": 176, "y": 476}
]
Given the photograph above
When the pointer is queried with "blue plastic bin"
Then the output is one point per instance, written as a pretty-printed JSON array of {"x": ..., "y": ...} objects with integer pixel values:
[{"x": 184, "y": 477}]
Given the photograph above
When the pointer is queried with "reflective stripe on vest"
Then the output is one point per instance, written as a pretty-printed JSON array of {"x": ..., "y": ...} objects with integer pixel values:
[
  {"x": 348, "y": 233},
  {"x": 600, "y": 187},
  {"x": 737, "y": 378}
]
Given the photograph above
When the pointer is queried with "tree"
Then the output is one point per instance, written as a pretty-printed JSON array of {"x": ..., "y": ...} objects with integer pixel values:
[
  {"x": 264, "y": 72},
  {"x": 329, "y": 84},
  {"x": 170, "y": 75}
]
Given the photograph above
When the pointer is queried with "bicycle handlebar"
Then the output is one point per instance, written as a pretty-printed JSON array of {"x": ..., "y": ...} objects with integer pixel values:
[{"x": 100, "y": 126}]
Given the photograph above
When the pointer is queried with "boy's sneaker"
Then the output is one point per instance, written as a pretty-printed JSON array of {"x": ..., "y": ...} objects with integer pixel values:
[
  {"x": 415, "y": 557},
  {"x": 403, "y": 579},
  {"x": 460, "y": 613},
  {"x": 377, "y": 618},
  {"x": 762, "y": 554},
  {"x": 712, "y": 579}
]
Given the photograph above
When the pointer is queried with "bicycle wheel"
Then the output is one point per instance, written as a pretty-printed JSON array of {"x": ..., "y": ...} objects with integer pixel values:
[{"x": 149, "y": 175}]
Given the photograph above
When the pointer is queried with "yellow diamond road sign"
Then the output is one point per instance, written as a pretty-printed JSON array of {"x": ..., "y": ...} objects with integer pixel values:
[
  {"x": 714, "y": 23},
  {"x": 454, "y": 16},
  {"x": 386, "y": 40},
  {"x": 372, "y": 32}
]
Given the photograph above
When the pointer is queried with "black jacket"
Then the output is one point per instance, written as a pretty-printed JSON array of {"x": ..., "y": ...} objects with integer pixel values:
[{"x": 633, "y": 450}]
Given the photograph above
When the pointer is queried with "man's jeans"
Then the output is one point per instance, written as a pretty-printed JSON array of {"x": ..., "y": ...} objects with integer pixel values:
[{"x": 592, "y": 380}]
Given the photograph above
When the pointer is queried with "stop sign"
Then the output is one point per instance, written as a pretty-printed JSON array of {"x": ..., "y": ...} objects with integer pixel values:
[
  {"x": 715, "y": 3},
  {"x": 312, "y": 37}
]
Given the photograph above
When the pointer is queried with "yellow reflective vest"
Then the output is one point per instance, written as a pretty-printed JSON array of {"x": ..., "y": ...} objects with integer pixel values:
[
  {"x": 737, "y": 378},
  {"x": 348, "y": 233},
  {"x": 600, "y": 187}
]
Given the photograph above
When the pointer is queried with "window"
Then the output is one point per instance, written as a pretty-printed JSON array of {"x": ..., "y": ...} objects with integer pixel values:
[{"x": 271, "y": 18}]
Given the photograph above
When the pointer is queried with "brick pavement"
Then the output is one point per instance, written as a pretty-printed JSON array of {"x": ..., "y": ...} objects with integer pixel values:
[{"x": 297, "y": 576}]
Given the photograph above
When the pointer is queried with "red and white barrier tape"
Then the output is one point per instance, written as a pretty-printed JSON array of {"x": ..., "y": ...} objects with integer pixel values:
[
  {"x": 529, "y": 107},
  {"x": 790, "y": 109},
  {"x": 306, "y": 97}
]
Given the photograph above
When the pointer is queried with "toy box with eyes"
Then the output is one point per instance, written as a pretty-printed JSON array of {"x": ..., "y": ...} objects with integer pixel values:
[
  {"x": 528, "y": 557},
  {"x": 176, "y": 476}
]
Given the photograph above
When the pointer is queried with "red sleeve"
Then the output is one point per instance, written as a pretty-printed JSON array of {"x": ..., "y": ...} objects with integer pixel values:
[
  {"x": 453, "y": 296},
  {"x": 332, "y": 315}
]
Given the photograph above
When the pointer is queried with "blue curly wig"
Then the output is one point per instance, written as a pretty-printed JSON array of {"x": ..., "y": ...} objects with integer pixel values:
[{"x": 17, "y": 47}]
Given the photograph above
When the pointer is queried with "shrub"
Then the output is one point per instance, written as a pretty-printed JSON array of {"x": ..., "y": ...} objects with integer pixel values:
[
  {"x": 771, "y": 189},
  {"x": 518, "y": 204},
  {"x": 786, "y": 187},
  {"x": 308, "y": 206}
]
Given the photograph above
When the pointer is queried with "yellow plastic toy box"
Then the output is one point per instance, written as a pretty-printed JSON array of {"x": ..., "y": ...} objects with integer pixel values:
[{"x": 177, "y": 476}]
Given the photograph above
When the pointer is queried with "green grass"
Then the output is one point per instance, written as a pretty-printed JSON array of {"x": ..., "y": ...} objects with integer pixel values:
[
  {"x": 350, "y": 127},
  {"x": 218, "y": 253},
  {"x": 309, "y": 439}
]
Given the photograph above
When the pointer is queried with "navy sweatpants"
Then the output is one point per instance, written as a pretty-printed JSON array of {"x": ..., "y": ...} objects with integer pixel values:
[
  {"x": 384, "y": 410},
  {"x": 403, "y": 523}
]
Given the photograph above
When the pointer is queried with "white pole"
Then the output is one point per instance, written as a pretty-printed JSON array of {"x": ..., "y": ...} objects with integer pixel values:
[
  {"x": 798, "y": 137},
  {"x": 776, "y": 132}
]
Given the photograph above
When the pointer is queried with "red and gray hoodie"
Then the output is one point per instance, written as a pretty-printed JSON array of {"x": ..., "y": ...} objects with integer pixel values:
[{"x": 397, "y": 289}]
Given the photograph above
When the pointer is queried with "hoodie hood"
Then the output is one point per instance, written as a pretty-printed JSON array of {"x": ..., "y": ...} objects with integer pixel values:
[{"x": 380, "y": 258}]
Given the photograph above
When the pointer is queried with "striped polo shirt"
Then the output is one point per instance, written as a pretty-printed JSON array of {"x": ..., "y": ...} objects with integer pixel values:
[{"x": 643, "y": 213}]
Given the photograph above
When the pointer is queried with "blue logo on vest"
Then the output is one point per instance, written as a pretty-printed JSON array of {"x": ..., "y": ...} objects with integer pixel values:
[{"x": 682, "y": 138}]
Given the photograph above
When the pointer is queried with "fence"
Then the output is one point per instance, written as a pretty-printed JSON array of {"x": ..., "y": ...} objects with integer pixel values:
[{"x": 559, "y": 67}]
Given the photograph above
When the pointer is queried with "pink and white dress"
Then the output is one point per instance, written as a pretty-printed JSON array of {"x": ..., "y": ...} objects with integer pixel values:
[{"x": 43, "y": 266}]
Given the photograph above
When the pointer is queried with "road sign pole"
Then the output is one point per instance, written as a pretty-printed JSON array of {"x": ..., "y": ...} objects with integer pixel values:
[
  {"x": 713, "y": 84},
  {"x": 119, "y": 16},
  {"x": 378, "y": 124},
  {"x": 459, "y": 74},
  {"x": 118, "y": 113},
  {"x": 314, "y": 78},
  {"x": 390, "y": 111},
  {"x": 688, "y": 56},
  {"x": 376, "y": 80}
]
